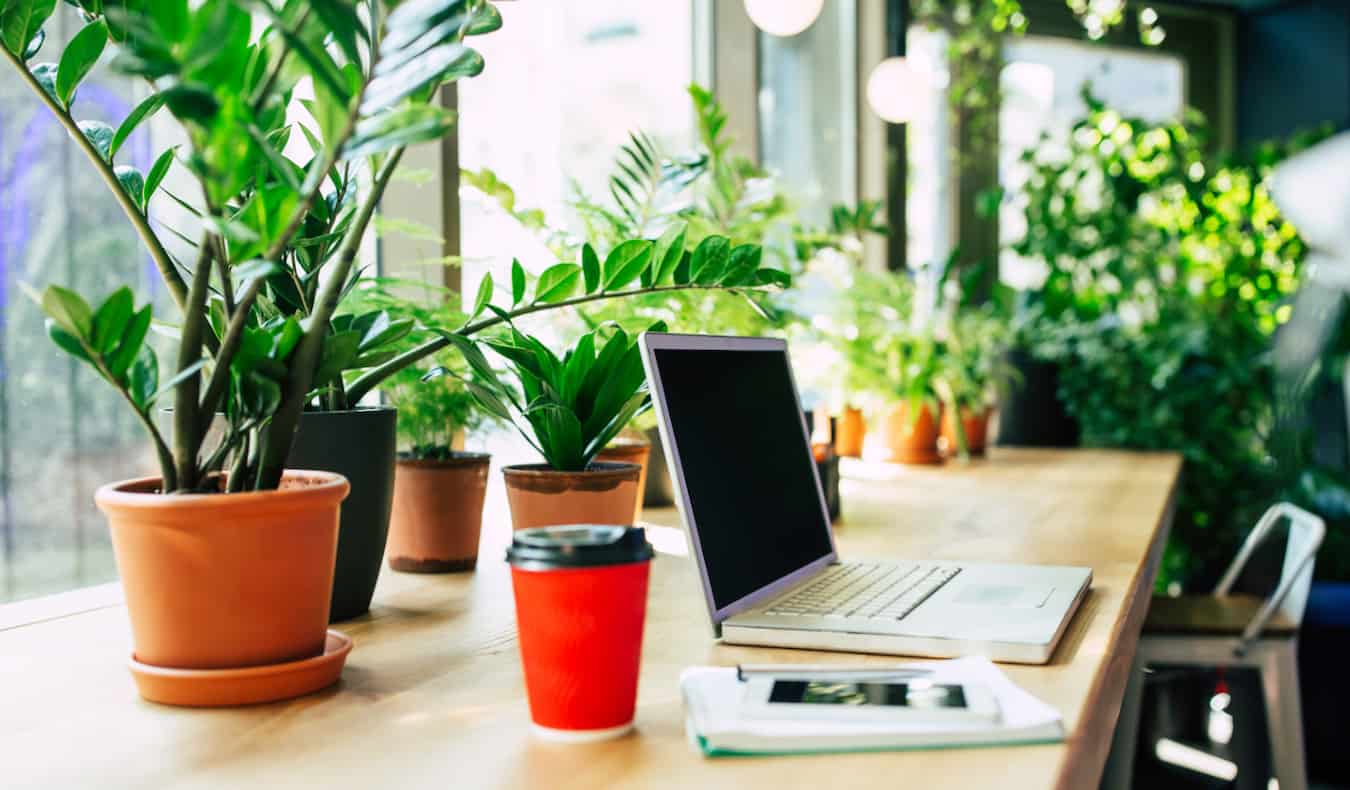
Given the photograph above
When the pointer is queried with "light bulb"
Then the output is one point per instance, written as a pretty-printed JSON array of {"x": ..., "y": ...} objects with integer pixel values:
[
  {"x": 896, "y": 90},
  {"x": 783, "y": 18}
]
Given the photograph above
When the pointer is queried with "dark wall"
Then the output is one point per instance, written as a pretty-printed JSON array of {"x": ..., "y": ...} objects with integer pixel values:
[{"x": 1293, "y": 69}]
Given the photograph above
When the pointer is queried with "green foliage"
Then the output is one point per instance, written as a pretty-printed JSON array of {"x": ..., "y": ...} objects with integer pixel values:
[
  {"x": 1168, "y": 272},
  {"x": 275, "y": 240},
  {"x": 575, "y": 405}
]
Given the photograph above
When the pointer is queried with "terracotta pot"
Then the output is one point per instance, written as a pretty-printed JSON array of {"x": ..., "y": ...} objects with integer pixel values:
[
  {"x": 438, "y": 513},
  {"x": 910, "y": 440},
  {"x": 539, "y": 496},
  {"x": 222, "y": 581},
  {"x": 630, "y": 451},
  {"x": 849, "y": 432},
  {"x": 976, "y": 426}
]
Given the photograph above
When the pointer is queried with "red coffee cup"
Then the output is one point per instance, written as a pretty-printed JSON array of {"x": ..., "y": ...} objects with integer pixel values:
[{"x": 581, "y": 598}]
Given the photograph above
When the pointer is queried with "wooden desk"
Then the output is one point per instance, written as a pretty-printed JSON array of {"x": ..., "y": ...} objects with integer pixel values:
[{"x": 432, "y": 695}]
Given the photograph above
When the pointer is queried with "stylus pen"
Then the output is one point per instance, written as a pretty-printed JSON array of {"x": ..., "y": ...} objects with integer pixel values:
[{"x": 745, "y": 670}]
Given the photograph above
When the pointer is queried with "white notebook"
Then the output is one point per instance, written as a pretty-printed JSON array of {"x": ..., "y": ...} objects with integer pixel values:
[{"x": 716, "y": 724}]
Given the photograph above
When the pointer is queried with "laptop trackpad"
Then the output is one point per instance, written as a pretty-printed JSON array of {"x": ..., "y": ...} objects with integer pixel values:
[{"x": 1014, "y": 596}]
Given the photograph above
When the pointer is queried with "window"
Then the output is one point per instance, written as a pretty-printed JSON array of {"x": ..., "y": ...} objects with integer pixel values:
[
  {"x": 930, "y": 203},
  {"x": 808, "y": 110},
  {"x": 62, "y": 432},
  {"x": 565, "y": 83}
]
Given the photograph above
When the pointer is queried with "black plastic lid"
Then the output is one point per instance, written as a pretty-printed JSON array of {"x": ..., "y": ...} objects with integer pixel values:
[{"x": 577, "y": 546}]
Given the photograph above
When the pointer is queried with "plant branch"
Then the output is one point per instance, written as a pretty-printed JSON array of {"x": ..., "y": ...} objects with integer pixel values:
[
  {"x": 186, "y": 440},
  {"x": 141, "y": 222},
  {"x": 260, "y": 98},
  {"x": 372, "y": 378}
]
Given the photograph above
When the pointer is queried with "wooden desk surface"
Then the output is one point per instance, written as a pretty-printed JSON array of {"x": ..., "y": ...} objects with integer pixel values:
[{"x": 432, "y": 695}]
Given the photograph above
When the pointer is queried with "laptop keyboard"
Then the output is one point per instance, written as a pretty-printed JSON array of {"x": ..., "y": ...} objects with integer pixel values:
[{"x": 856, "y": 589}]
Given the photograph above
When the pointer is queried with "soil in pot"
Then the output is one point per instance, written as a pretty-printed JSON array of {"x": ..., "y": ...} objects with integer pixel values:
[
  {"x": 630, "y": 451},
  {"x": 850, "y": 430},
  {"x": 976, "y": 426},
  {"x": 360, "y": 445},
  {"x": 540, "y": 496},
  {"x": 438, "y": 513},
  {"x": 912, "y": 440},
  {"x": 222, "y": 581}
]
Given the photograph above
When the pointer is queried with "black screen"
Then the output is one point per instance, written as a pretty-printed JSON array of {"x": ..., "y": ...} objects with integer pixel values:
[
  {"x": 902, "y": 695},
  {"x": 738, "y": 429}
]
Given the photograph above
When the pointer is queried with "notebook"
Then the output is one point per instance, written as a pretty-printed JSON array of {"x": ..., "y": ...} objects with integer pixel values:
[{"x": 717, "y": 725}]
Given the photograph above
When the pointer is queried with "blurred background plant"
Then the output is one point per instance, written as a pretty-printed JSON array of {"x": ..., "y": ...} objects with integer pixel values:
[{"x": 1167, "y": 272}]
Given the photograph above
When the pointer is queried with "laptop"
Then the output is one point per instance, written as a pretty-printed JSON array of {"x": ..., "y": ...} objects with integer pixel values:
[{"x": 750, "y": 497}]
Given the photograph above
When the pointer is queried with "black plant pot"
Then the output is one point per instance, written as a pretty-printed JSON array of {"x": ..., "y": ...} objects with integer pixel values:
[
  {"x": 1033, "y": 415},
  {"x": 360, "y": 445},
  {"x": 660, "y": 491}
]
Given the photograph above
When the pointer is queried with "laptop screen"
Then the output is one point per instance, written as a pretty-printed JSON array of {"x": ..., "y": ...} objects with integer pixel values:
[{"x": 738, "y": 429}]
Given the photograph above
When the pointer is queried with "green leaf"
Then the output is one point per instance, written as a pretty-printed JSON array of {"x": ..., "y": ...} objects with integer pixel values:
[
  {"x": 129, "y": 348},
  {"x": 144, "y": 110},
  {"x": 341, "y": 20},
  {"x": 246, "y": 272},
  {"x": 669, "y": 249},
  {"x": 404, "y": 126},
  {"x": 144, "y": 380},
  {"x": 474, "y": 355},
  {"x": 190, "y": 102},
  {"x": 132, "y": 181},
  {"x": 34, "y": 46},
  {"x": 327, "y": 75},
  {"x": 339, "y": 349},
  {"x": 710, "y": 260},
  {"x": 66, "y": 341},
  {"x": 101, "y": 135},
  {"x": 157, "y": 172},
  {"x": 485, "y": 291},
  {"x": 681, "y": 276},
  {"x": 20, "y": 21},
  {"x": 625, "y": 262},
  {"x": 487, "y": 20},
  {"x": 773, "y": 277},
  {"x": 110, "y": 320},
  {"x": 517, "y": 282},
  {"x": 743, "y": 264},
  {"x": 436, "y": 66},
  {"x": 173, "y": 383},
  {"x": 68, "y": 310},
  {"x": 590, "y": 267},
  {"x": 557, "y": 283},
  {"x": 45, "y": 74},
  {"x": 79, "y": 57}
]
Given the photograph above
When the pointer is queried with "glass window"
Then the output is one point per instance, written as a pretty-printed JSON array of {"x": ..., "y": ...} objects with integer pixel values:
[
  {"x": 1042, "y": 86},
  {"x": 62, "y": 432},
  {"x": 565, "y": 83},
  {"x": 808, "y": 111}
]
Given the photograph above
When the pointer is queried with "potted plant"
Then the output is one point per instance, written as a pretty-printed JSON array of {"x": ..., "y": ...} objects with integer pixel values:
[
  {"x": 573, "y": 407},
  {"x": 974, "y": 371},
  {"x": 229, "y": 78},
  {"x": 912, "y": 364}
]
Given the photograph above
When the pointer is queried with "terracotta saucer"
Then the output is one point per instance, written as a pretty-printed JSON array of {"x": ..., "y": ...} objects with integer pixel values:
[{"x": 245, "y": 686}]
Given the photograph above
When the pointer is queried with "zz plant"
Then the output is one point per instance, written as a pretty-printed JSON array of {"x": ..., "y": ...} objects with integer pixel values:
[{"x": 252, "y": 347}]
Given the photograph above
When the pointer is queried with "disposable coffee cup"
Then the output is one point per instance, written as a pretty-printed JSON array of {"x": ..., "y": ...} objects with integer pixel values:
[{"x": 581, "y": 599}]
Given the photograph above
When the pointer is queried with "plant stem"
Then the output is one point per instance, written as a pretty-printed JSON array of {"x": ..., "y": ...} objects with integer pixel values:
[
  {"x": 276, "y": 441},
  {"x": 186, "y": 440},
  {"x": 177, "y": 287},
  {"x": 373, "y": 377}
]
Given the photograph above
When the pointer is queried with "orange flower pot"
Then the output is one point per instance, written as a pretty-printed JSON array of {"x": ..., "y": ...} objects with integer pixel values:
[
  {"x": 540, "y": 496},
  {"x": 912, "y": 440},
  {"x": 630, "y": 451},
  {"x": 849, "y": 433},
  {"x": 976, "y": 426},
  {"x": 438, "y": 513},
  {"x": 222, "y": 581}
]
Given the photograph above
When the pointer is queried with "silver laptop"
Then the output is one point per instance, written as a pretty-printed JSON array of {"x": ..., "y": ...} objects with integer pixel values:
[{"x": 736, "y": 444}]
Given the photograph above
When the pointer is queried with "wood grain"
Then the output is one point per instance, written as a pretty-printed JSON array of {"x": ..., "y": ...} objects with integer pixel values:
[{"x": 432, "y": 695}]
